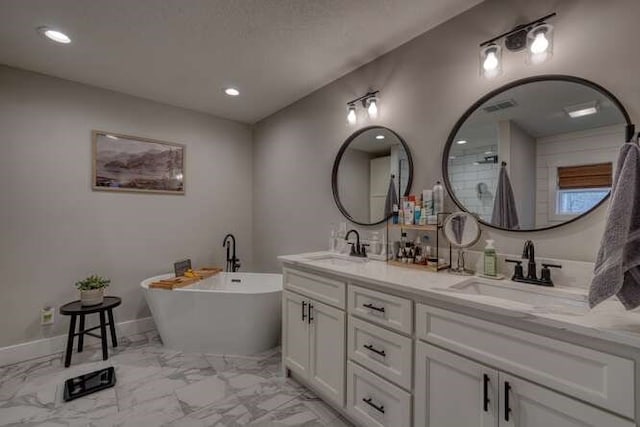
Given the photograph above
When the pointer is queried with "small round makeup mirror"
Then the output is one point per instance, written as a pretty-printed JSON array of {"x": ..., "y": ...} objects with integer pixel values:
[{"x": 461, "y": 230}]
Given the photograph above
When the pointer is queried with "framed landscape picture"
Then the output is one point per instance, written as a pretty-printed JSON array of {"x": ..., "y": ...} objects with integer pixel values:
[{"x": 130, "y": 163}]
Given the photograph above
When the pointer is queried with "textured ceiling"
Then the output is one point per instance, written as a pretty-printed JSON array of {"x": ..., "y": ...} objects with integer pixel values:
[{"x": 184, "y": 52}]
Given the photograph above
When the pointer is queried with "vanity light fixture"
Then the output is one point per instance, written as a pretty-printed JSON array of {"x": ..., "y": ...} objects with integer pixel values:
[
  {"x": 581, "y": 110},
  {"x": 491, "y": 60},
  {"x": 379, "y": 136},
  {"x": 536, "y": 37},
  {"x": 369, "y": 101},
  {"x": 54, "y": 35},
  {"x": 351, "y": 114},
  {"x": 540, "y": 43},
  {"x": 372, "y": 107},
  {"x": 232, "y": 91}
]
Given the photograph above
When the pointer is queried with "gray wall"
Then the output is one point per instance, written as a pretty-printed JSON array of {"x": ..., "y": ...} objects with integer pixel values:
[
  {"x": 425, "y": 86},
  {"x": 55, "y": 230}
]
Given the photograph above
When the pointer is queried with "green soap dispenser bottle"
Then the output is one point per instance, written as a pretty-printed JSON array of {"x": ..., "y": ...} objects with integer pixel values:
[{"x": 490, "y": 259}]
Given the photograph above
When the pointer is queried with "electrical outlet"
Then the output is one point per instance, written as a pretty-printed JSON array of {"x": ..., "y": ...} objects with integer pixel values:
[{"x": 46, "y": 316}]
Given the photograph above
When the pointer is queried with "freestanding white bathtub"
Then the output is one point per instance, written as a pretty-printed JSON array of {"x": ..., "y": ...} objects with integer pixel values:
[{"x": 229, "y": 313}]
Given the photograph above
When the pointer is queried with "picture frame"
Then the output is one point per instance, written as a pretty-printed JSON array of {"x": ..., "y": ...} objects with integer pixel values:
[{"x": 125, "y": 163}]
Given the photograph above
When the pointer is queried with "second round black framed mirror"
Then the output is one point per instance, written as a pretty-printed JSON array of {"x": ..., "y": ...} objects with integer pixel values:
[{"x": 536, "y": 153}]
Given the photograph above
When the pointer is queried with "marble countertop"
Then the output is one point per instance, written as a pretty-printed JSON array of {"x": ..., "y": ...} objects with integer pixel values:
[{"x": 608, "y": 321}]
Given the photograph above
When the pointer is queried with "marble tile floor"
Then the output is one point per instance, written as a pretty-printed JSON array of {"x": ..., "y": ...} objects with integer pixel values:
[{"x": 161, "y": 387}]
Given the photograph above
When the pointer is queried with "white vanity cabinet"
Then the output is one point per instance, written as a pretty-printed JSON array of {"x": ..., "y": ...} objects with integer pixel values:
[
  {"x": 313, "y": 335},
  {"x": 394, "y": 360},
  {"x": 455, "y": 391},
  {"x": 380, "y": 366}
]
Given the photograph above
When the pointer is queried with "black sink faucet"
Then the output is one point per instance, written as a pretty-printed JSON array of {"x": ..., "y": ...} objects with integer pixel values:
[
  {"x": 529, "y": 252},
  {"x": 233, "y": 262},
  {"x": 356, "y": 248}
]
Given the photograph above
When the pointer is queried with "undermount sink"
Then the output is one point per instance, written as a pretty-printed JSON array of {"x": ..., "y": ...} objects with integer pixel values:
[
  {"x": 537, "y": 297},
  {"x": 337, "y": 260}
]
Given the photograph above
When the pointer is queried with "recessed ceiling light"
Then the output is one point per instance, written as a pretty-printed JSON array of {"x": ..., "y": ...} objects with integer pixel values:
[
  {"x": 582, "y": 110},
  {"x": 232, "y": 91},
  {"x": 111, "y": 136},
  {"x": 462, "y": 141},
  {"x": 55, "y": 35},
  {"x": 380, "y": 137}
]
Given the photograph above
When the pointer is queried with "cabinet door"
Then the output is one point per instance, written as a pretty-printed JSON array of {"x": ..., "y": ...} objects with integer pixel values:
[
  {"x": 453, "y": 391},
  {"x": 295, "y": 333},
  {"x": 524, "y": 404},
  {"x": 327, "y": 351}
]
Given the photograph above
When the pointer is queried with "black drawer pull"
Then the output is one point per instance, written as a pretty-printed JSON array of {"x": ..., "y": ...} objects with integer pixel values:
[
  {"x": 310, "y": 312},
  {"x": 304, "y": 306},
  {"x": 373, "y": 307},
  {"x": 507, "y": 407},
  {"x": 375, "y": 350},
  {"x": 373, "y": 405},
  {"x": 486, "y": 393}
]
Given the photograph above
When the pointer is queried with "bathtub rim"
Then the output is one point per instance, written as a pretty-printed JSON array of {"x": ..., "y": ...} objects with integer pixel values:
[{"x": 144, "y": 284}]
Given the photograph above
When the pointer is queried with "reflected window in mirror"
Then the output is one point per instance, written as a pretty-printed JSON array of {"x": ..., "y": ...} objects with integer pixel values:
[
  {"x": 370, "y": 162},
  {"x": 559, "y": 156}
]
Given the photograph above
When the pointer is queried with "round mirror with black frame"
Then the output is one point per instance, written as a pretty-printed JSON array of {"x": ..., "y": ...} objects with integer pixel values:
[
  {"x": 373, "y": 169},
  {"x": 535, "y": 154}
]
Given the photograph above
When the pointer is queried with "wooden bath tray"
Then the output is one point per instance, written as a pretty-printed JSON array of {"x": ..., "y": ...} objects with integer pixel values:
[{"x": 182, "y": 281}]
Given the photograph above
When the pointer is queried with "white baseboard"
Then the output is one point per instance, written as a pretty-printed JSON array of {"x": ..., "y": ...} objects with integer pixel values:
[{"x": 47, "y": 346}]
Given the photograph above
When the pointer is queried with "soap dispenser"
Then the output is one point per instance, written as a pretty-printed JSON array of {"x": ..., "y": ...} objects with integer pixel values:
[{"x": 490, "y": 259}]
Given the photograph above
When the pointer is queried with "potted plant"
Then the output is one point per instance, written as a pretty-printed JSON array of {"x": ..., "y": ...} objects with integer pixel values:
[{"x": 92, "y": 289}]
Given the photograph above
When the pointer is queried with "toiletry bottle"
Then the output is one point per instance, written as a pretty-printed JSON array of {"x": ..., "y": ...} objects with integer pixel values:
[
  {"x": 427, "y": 201},
  {"x": 438, "y": 198},
  {"x": 490, "y": 259},
  {"x": 332, "y": 241},
  {"x": 395, "y": 213},
  {"x": 417, "y": 215}
]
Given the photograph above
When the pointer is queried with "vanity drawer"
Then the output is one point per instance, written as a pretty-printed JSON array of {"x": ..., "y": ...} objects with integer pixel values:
[
  {"x": 320, "y": 288},
  {"x": 600, "y": 378},
  {"x": 384, "y": 352},
  {"x": 373, "y": 401},
  {"x": 383, "y": 309}
]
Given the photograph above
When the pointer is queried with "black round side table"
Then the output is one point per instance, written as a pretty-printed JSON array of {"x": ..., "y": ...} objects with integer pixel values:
[{"x": 75, "y": 309}]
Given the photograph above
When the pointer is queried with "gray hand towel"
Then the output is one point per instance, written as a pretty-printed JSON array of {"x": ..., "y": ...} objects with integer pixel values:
[
  {"x": 392, "y": 197},
  {"x": 457, "y": 223},
  {"x": 617, "y": 269},
  {"x": 505, "y": 213}
]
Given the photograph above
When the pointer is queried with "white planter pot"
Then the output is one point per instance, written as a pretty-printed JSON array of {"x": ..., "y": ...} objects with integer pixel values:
[{"x": 92, "y": 297}]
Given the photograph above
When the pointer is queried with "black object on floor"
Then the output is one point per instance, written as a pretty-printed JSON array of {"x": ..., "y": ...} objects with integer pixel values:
[
  {"x": 75, "y": 309},
  {"x": 89, "y": 383}
]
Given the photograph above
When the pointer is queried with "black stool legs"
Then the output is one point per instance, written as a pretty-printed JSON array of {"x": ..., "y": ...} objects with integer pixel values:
[
  {"x": 112, "y": 327},
  {"x": 72, "y": 328},
  {"x": 81, "y": 336},
  {"x": 82, "y": 331},
  {"x": 103, "y": 336}
]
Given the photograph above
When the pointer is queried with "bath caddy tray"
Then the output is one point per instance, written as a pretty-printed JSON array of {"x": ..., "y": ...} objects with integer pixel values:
[{"x": 182, "y": 281}]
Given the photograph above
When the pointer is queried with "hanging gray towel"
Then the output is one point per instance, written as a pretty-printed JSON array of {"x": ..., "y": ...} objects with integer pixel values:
[
  {"x": 505, "y": 213},
  {"x": 457, "y": 224},
  {"x": 392, "y": 198},
  {"x": 617, "y": 269}
]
